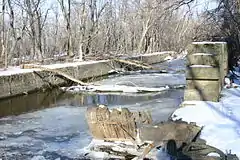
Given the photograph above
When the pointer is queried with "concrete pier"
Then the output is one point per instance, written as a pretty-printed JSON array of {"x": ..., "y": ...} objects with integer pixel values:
[{"x": 207, "y": 65}]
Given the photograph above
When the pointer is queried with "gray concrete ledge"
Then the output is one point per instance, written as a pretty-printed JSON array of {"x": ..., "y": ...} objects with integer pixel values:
[{"x": 30, "y": 80}]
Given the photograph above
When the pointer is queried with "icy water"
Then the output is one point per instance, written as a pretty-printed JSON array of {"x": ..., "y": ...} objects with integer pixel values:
[{"x": 52, "y": 125}]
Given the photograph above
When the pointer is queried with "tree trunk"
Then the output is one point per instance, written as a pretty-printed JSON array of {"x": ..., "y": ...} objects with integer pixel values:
[
  {"x": 4, "y": 52},
  {"x": 67, "y": 16},
  {"x": 92, "y": 6},
  {"x": 70, "y": 51}
]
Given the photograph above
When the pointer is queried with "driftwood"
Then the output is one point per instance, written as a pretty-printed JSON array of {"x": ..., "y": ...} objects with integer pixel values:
[{"x": 54, "y": 71}]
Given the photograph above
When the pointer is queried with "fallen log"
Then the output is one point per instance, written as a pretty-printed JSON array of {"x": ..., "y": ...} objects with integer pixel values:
[
  {"x": 134, "y": 64},
  {"x": 55, "y": 71}
]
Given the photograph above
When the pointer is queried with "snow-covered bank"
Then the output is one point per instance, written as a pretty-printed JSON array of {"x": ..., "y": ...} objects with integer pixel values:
[{"x": 221, "y": 120}]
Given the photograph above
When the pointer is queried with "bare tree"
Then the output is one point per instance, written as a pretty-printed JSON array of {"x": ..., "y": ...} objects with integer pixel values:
[
  {"x": 13, "y": 35},
  {"x": 67, "y": 15},
  {"x": 4, "y": 52},
  {"x": 95, "y": 29}
]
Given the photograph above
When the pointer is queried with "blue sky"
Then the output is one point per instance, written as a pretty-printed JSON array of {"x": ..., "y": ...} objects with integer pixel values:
[{"x": 206, "y": 4}]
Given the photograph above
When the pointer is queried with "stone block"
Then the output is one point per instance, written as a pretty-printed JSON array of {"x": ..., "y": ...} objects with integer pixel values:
[
  {"x": 212, "y": 85},
  {"x": 203, "y": 59},
  {"x": 206, "y": 47},
  {"x": 202, "y": 72},
  {"x": 201, "y": 95}
]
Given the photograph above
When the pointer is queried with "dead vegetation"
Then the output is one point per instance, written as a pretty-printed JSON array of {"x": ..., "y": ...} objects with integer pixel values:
[
  {"x": 42, "y": 30},
  {"x": 39, "y": 30}
]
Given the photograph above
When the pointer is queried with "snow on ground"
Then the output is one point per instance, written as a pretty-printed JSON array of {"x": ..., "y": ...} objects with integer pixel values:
[
  {"x": 208, "y": 42},
  {"x": 18, "y": 70},
  {"x": 113, "y": 88},
  {"x": 221, "y": 120}
]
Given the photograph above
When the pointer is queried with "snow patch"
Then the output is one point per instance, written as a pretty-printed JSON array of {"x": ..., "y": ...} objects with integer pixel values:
[
  {"x": 113, "y": 88},
  {"x": 202, "y": 54},
  {"x": 17, "y": 70},
  {"x": 201, "y": 66},
  {"x": 221, "y": 120},
  {"x": 208, "y": 42}
]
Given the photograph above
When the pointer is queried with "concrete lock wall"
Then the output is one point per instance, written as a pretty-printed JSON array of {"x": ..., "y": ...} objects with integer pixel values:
[
  {"x": 207, "y": 65},
  {"x": 29, "y": 81}
]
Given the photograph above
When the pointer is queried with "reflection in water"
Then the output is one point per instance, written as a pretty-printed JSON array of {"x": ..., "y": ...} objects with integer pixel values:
[
  {"x": 41, "y": 100},
  {"x": 31, "y": 102},
  {"x": 61, "y": 131}
]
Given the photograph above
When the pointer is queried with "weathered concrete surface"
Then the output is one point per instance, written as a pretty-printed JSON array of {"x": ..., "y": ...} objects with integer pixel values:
[
  {"x": 203, "y": 59},
  {"x": 201, "y": 84},
  {"x": 224, "y": 63},
  {"x": 203, "y": 72},
  {"x": 207, "y": 65},
  {"x": 206, "y": 47},
  {"x": 200, "y": 95},
  {"x": 29, "y": 81},
  {"x": 202, "y": 90}
]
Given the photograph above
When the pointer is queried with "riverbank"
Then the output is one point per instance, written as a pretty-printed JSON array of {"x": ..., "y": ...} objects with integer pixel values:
[{"x": 220, "y": 120}]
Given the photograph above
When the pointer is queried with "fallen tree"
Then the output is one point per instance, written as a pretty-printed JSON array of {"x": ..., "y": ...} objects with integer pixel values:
[
  {"x": 56, "y": 72},
  {"x": 87, "y": 87}
]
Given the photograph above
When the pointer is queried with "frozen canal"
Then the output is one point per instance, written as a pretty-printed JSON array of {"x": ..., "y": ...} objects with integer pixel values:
[{"x": 52, "y": 125}]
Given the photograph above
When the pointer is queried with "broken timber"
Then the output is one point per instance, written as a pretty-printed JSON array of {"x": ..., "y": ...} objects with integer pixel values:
[
  {"x": 139, "y": 65},
  {"x": 180, "y": 139},
  {"x": 122, "y": 124},
  {"x": 134, "y": 64},
  {"x": 114, "y": 125},
  {"x": 55, "y": 71}
]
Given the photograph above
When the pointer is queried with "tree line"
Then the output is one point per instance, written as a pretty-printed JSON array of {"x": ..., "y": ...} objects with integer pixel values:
[{"x": 36, "y": 30}]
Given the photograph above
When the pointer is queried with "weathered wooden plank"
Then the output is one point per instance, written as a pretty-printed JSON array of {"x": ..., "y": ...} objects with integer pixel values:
[{"x": 115, "y": 124}]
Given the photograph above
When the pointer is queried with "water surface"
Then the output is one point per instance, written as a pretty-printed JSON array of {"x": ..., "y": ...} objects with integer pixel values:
[{"x": 52, "y": 125}]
